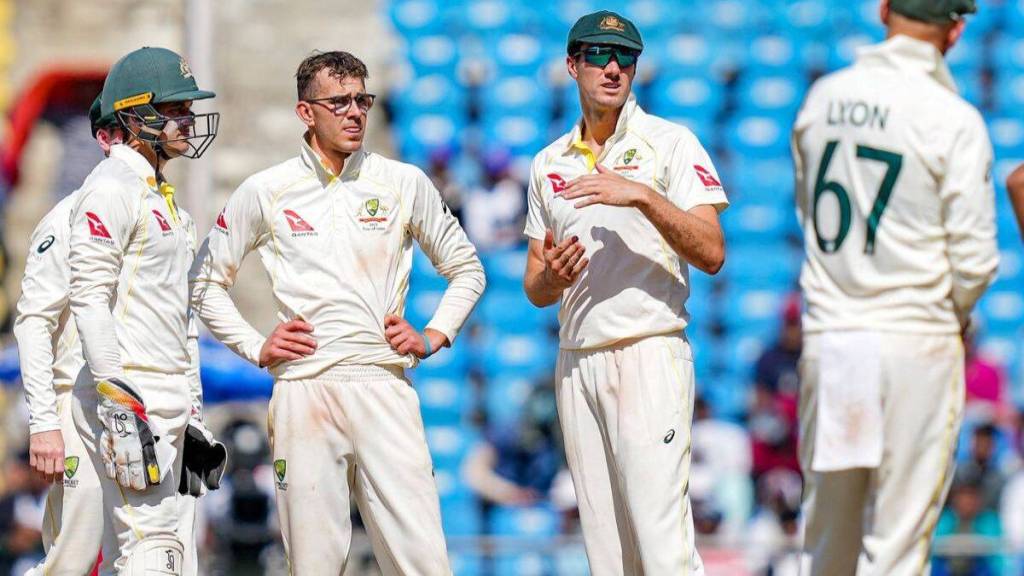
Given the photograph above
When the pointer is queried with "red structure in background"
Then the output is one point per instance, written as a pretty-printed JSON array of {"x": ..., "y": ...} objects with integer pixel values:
[{"x": 71, "y": 88}]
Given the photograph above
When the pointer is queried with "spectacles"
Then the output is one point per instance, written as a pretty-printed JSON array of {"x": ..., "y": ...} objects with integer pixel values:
[
  {"x": 601, "y": 55},
  {"x": 340, "y": 104}
]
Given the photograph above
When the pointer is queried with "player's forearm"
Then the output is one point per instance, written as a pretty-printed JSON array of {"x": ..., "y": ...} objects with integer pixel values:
[
  {"x": 540, "y": 292},
  {"x": 213, "y": 305},
  {"x": 194, "y": 383},
  {"x": 1015, "y": 190},
  {"x": 694, "y": 240},
  {"x": 35, "y": 353},
  {"x": 98, "y": 333},
  {"x": 466, "y": 283}
]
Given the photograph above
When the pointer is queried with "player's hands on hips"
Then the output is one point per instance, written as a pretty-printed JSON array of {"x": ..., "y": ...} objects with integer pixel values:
[
  {"x": 404, "y": 339},
  {"x": 563, "y": 262},
  {"x": 127, "y": 444},
  {"x": 606, "y": 187},
  {"x": 46, "y": 455},
  {"x": 289, "y": 341}
]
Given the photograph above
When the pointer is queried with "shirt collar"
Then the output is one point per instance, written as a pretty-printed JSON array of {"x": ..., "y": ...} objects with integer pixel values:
[
  {"x": 137, "y": 162},
  {"x": 313, "y": 161},
  {"x": 908, "y": 53},
  {"x": 630, "y": 111}
]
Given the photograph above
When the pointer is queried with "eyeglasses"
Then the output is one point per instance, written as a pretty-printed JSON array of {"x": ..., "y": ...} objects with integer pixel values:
[
  {"x": 339, "y": 104},
  {"x": 601, "y": 55}
]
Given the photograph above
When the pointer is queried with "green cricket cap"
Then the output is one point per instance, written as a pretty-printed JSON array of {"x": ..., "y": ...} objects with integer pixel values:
[
  {"x": 604, "y": 27},
  {"x": 149, "y": 76},
  {"x": 934, "y": 11}
]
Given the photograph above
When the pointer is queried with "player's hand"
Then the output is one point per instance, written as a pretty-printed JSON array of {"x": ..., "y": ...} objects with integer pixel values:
[
  {"x": 289, "y": 341},
  {"x": 127, "y": 442},
  {"x": 606, "y": 187},
  {"x": 563, "y": 262},
  {"x": 404, "y": 339},
  {"x": 46, "y": 455},
  {"x": 203, "y": 460}
]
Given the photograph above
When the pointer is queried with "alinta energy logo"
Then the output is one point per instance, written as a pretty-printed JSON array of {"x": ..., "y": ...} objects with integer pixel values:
[
  {"x": 70, "y": 469},
  {"x": 298, "y": 225},
  {"x": 280, "y": 470}
]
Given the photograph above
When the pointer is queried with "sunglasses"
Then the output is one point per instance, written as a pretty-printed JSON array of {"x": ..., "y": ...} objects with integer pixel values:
[
  {"x": 340, "y": 104},
  {"x": 601, "y": 55}
]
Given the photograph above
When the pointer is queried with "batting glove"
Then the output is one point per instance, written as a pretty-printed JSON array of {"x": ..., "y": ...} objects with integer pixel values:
[
  {"x": 203, "y": 460},
  {"x": 127, "y": 444}
]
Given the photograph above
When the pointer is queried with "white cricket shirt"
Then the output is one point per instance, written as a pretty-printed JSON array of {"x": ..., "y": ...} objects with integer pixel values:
[
  {"x": 894, "y": 190},
  {"x": 635, "y": 285}
]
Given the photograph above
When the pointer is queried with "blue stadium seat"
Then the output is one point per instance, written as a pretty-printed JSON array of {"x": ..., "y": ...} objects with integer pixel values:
[
  {"x": 523, "y": 94},
  {"x": 843, "y": 51},
  {"x": 775, "y": 54},
  {"x": 421, "y": 305},
  {"x": 435, "y": 54},
  {"x": 808, "y": 18},
  {"x": 449, "y": 444},
  {"x": 421, "y": 134},
  {"x": 461, "y": 517},
  {"x": 537, "y": 521},
  {"x": 765, "y": 181},
  {"x": 517, "y": 55},
  {"x": 763, "y": 265},
  {"x": 431, "y": 93},
  {"x": 493, "y": 18},
  {"x": 697, "y": 96},
  {"x": 505, "y": 269},
  {"x": 464, "y": 563},
  {"x": 1008, "y": 53},
  {"x": 702, "y": 126},
  {"x": 728, "y": 394},
  {"x": 687, "y": 53},
  {"x": 520, "y": 134},
  {"x": 1002, "y": 310},
  {"x": 443, "y": 400},
  {"x": 504, "y": 396},
  {"x": 779, "y": 94},
  {"x": 450, "y": 362},
  {"x": 531, "y": 355},
  {"x": 753, "y": 312},
  {"x": 510, "y": 312},
  {"x": 750, "y": 221},
  {"x": 730, "y": 17},
  {"x": 1009, "y": 92},
  {"x": 1007, "y": 134},
  {"x": 416, "y": 17},
  {"x": 760, "y": 136}
]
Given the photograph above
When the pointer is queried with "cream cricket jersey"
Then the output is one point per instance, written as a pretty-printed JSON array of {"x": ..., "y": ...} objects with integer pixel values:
[
  {"x": 48, "y": 345},
  {"x": 894, "y": 190},
  {"x": 338, "y": 251},
  {"x": 130, "y": 253},
  {"x": 635, "y": 284}
]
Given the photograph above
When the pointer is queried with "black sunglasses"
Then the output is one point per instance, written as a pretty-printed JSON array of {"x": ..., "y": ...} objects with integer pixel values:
[
  {"x": 340, "y": 104},
  {"x": 601, "y": 55}
]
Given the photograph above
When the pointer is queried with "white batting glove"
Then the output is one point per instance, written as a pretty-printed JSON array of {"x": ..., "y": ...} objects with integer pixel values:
[{"x": 127, "y": 444}]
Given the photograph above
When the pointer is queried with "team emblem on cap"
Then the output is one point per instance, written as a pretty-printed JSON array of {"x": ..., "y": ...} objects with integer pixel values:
[
  {"x": 612, "y": 23},
  {"x": 186, "y": 72}
]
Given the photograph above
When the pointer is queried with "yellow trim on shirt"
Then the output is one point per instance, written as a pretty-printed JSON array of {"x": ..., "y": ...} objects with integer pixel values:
[
  {"x": 167, "y": 191},
  {"x": 138, "y": 261},
  {"x": 588, "y": 154}
]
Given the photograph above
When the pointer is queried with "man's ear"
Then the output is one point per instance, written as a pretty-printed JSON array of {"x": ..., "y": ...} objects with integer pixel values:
[
  {"x": 570, "y": 64},
  {"x": 954, "y": 34},
  {"x": 305, "y": 113}
]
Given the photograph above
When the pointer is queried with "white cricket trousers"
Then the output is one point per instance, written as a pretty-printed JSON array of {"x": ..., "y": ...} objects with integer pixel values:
[
  {"x": 880, "y": 521},
  {"x": 355, "y": 431},
  {"x": 131, "y": 515},
  {"x": 74, "y": 516},
  {"x": 625, "y": 412}
]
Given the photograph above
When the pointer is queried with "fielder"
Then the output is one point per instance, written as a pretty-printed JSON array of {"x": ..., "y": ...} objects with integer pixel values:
[
  {"x": 895, "y": 194},
  {"x": 334, "y": 229},
  {"x": 618, "y": 209},
  {"x": 129, "y": 251},
  {"x": 51, "y": 358}
]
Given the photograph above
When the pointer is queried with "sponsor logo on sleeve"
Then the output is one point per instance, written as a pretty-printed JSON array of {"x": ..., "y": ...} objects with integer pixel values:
[
  {"x": 222, "y": 224},
  {"x": 46, "y": 243},
  {"x": 706, "y": 177},
  {"x": 298, "y": 224},
  {"x": 97, "y": 230}
]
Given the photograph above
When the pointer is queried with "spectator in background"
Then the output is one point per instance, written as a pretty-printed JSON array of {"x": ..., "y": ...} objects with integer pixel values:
[
  {"x": 773, "y": 415},
  {"x": 21, "y": 517},
  {"x": 495, "y": 212},
  {"x": 1011, "y": 505},
  {"x": 516, "y": 464},
  {"x": 985, "y": 382},
  {"x": 967, "y": 515},
  {"x": 720, "y": 471},
  {"x": 983, "y": 465},
  {"x": 774, "y": 531},
  {"x": 440, "y": 174}
]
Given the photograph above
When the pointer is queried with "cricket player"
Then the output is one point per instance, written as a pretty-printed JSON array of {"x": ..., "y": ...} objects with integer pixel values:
[
  {"x": 51, "y": 359},
  {"x": 1015, "y": 190},
  {"x": 334, "y": 229},
  {"x": 895, "y": 195},
  {"x": 129, "y": 252},
  {"x": 618, "y": 209}
]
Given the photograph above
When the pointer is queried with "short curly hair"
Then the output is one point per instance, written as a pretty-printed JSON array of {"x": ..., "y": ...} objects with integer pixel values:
[{"x": 339, "y": 64}]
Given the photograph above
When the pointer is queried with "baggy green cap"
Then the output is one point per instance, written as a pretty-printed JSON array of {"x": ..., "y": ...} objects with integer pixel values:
[
  {"x": 934, "y": 11},
  {"x": 149, "y": 76},
  {"x": 604, "y": 27}
]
